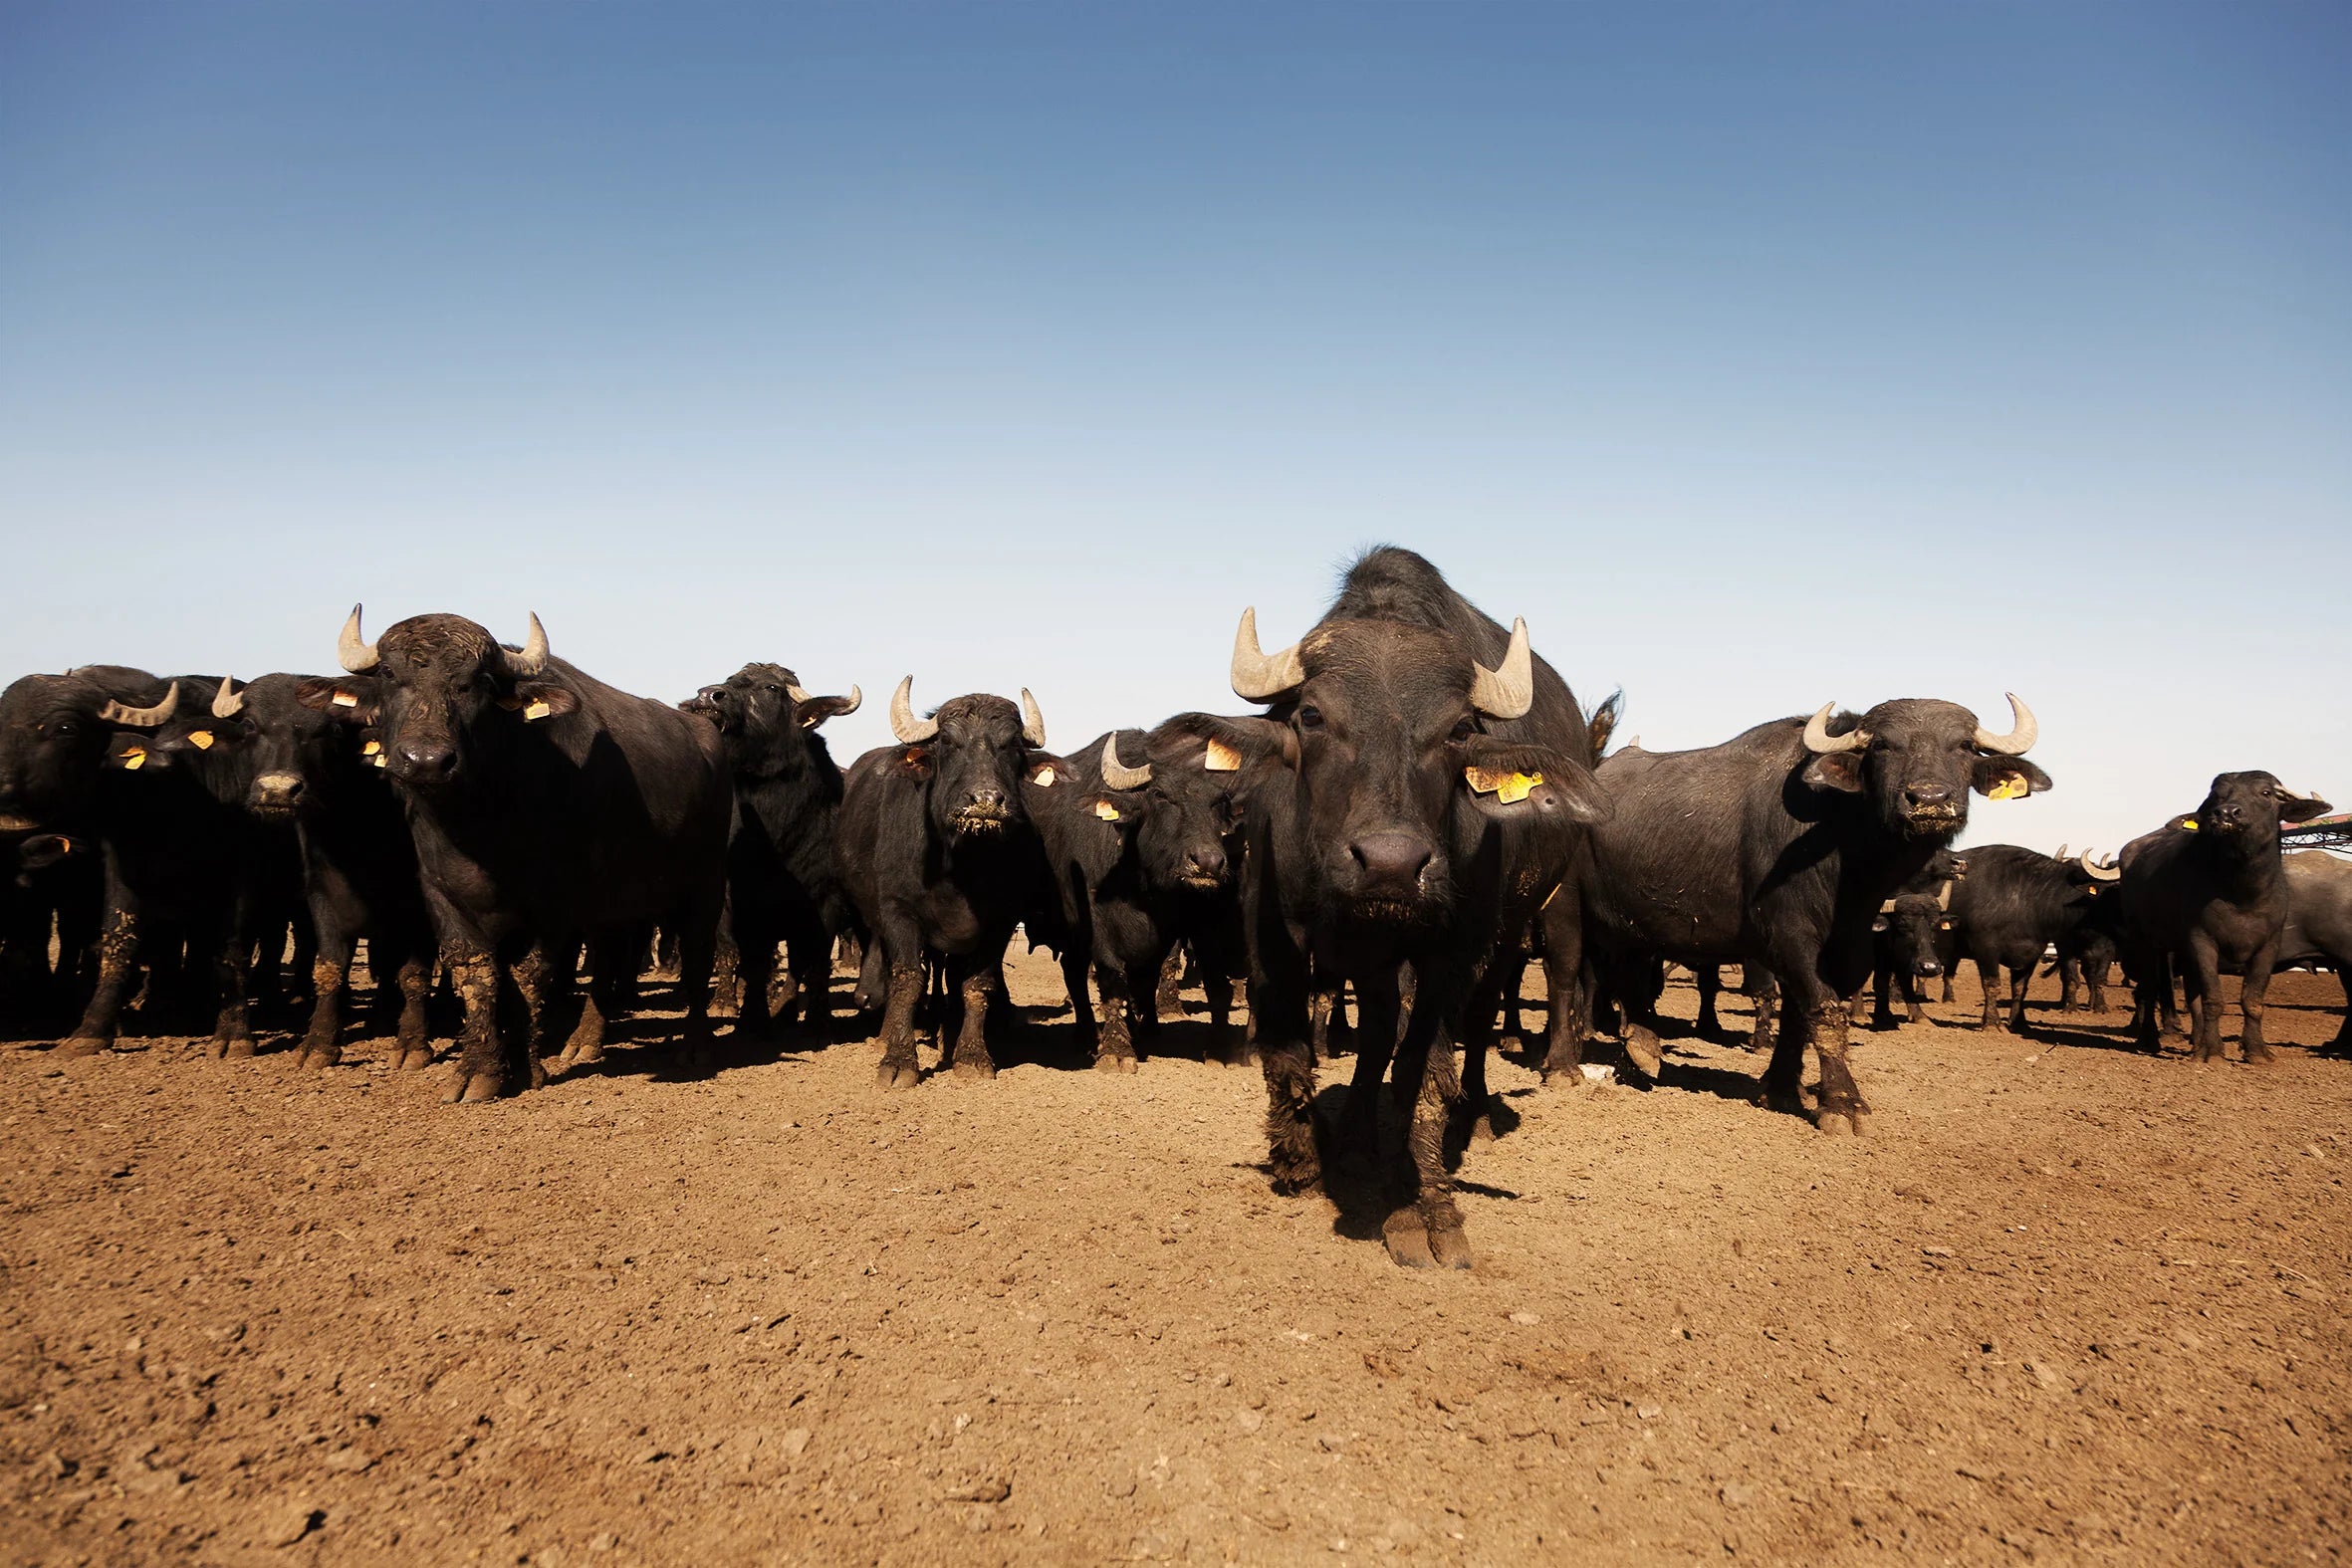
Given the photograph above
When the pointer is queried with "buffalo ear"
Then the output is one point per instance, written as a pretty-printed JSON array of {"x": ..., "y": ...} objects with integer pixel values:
[
  {"x": 43, "y": 850},
  {"x": 1047, "y": 772},
  {"x": 544, "y": 699},
  {"x": 1502, "y": 774},
  {"x": 1580, "y": 797},
  {"x": 1840, "y": 770},
  {"x": 2303, "y": 809},
  {"x": 914, "y": 762},
  {"x": 134, "y": 750},
  {"x": 816, "y": 710},
  {"x": 2007, "y": 778},
  {"x": 350, "y": 700},
  {"x": 1240, "y": 741},
  {"x": 1879, "y": 924}
]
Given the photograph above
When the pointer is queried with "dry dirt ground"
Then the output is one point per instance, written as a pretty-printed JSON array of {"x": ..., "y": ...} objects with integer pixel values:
[{"x": 2066, "y": 1303}]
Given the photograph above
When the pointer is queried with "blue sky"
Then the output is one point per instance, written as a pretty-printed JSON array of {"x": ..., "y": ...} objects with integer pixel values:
[{"x": 1758, "y": 355}]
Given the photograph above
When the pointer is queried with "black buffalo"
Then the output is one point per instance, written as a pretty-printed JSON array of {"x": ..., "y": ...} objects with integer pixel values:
[
  {"x": 2015, "y": 906},
  {"x": 546, "y": 807},
  {"x": 2319, "y": 923},
  {"x": 783, "y": 881},
  {"x": 938, "y": 854},
  {"x": 1426, "y": 783},
  {"x": 53, "y": 892},
  {"x": 183, "y": 860},
  {"x": 2207, "y": 892},
  {"x": 1778, "y": 848},
  {"x": 290, "y": 759},
  {"x": 1144, "y": 856}
]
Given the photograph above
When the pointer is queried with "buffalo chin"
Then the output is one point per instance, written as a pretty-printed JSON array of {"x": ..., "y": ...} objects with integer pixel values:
[
  {"x": 973, "y": 826},
  {"x": 1934, "y": 824}
]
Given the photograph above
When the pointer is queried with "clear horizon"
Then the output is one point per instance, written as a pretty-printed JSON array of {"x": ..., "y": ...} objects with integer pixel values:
[{"x": 1757, "y": 357}]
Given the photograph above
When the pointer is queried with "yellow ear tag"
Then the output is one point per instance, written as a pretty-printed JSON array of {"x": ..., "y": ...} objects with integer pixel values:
[
  {"x": 537, "y": 708},
  {"x": 1107, "y": 812},
  {"x": 371, "y": 748},
  {"x": 345, "y": 700},
  {"x": 201, "y": 740},
  {"x": 135, "y": 759},
  {"x": 380, "y": 760},
  {"x": 1042, "y": 778},
  {"x": 1222, "y": 758},
  {"x": 1509, "y": 788},
  {"x": 2189, "y": 824},
  {"x": 2010, "y": 786}
]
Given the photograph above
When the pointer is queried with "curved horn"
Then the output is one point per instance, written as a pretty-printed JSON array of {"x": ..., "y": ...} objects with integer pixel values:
[
  {"x": 1116, "y": 776},
  {"x": 227, "y": 704},
  {"x": 1257, "y": 678},
  {"x": 2097, "y": 872},
  {"x": 1943, "y": 896},
  {"x": 1821, "y": 743},
  {"x": 1506, "y": 693},
  {"x": 1033, "y": 723},
  {"x": 2060, "y": 855},
  {"x": 533, "y": 659},
  {"x": 910, "y": 729},
  {"x": 113, "y": 712},
  {"x": 357, "y": 652},
  {"x": 795, "y": 691},
  {"x": 2022, "y": 736},
  {"x": 856, "y": 699}
]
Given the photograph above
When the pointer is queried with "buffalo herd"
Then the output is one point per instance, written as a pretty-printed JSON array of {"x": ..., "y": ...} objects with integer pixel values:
[{"x": 1417, "y": 809}]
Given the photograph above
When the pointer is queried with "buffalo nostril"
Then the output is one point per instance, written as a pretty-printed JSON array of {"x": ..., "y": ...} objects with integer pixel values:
[
  {"x": 427, "y": 760},
  {"x": 1931, "y": 970},
  {"x": 1391, "y": 860},
  {"x": 988, "y": 799},
  {"x": 1208, "y": 863},
  {"x": 1927, "y": 794}
]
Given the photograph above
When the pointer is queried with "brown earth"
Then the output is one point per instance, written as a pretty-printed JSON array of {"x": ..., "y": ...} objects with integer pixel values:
[{"x": 2067, "y": 1302}]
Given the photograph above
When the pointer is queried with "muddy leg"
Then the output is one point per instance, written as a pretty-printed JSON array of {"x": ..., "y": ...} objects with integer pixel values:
[
  {"x": 1115, "y": 1049},
  {"x": 480, "y": 1071},
  {"x": 536, "y": 978},
  {"x": 117, "y": 965},
  {"x": 331, "y": 978},
  {"x": 981, "y": 982},
  {"x": 1840, "y": 1108},
  {"x": 1784, "y": 1075},
  {"x": 1428, "y": 1232},
  {"x": 898, "y": 1070},
  {"x": 413, "y": 1049},
  {"x": 754, "y": 973},
  {"x": 1168, "y": 995}
]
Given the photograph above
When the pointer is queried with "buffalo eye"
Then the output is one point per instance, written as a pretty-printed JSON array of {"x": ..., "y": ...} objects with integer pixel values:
[
  {"x": 1311, "y": 718},
  {"x": 1463, "y": 730},
  {"x": 68, "y": 727}
]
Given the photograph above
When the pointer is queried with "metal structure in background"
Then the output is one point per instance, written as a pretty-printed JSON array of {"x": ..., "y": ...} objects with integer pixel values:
[{"x": 2327, "y": 832}]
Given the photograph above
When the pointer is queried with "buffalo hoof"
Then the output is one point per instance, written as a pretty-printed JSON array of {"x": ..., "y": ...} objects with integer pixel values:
[
  {"x": 318, "y": 1059},
  {"x": 967, "y": 1067},
  {"x": 239, "y": 1048},
  {"x": 2259, "y": 1054},
  {"x": 1106, "y": 1062},
  {"x": 412, "y": 1058},
  {"x": 1408, "y": 1240},
  {"x": 893, "y": 1076},
  {"x": 1450, "y": 1246},
  {"x": 82, "y": 1045},
  {"x": 1482, "y": 1128},
  {"x": 1642, "y": 1048},
  {"x": 472, "y": 1088}
]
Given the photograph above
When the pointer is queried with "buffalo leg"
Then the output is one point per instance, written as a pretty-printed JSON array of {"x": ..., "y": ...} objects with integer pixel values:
[
  {"x": 1075, "y": 965},
  {"x": 480, "y": 1071},
  {"x": 1168, "y": 992},
  {"x": 1378, "y": 1009},
  {"x": 538, "y": 974},
  {"x": 1840, "y": 1108},
  {"x": 231, "y": 952},
  {"x": 330, "y": 980},
  {"x": 2069, "y": 985},
  {"x": 1709, "y": 979},
  {"x": 754, "y": 973},
  {"x": 978, "y": 981},
  {"x": 2204, "y": 981},
  {"x": 1429, "y": 1232},
  {"x": 2019, "y": 979},
  {"x": 2250, "y": 1004},
  {"x": 898, "y": 1070},
  {"x": 1988, "y": 982},
  {"x": 117, "y": 964},
  {"x": 413, "y": 1045},
  {"x": 1114, "y": 1047},
  {"x": 1218, "y": 988}
]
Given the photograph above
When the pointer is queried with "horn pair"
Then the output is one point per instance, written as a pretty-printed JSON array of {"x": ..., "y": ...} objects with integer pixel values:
[
  {"x": 1505, "y": 693},
  {"x": 2100, "y": 870},
  {"x": 358, "y": 655},
  {"x": 912, "y": 730},
  {"x": 2023, "y": 733}
]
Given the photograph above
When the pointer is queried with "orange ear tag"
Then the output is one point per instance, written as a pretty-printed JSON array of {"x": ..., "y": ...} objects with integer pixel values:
[
  {"x": 201, "y": 740},
  {"x": 1222, "y": 758},
  {"x": 539, "y": 708},
  {"x": 1107, "y": 812},
  {"x": 1509, "y": 788},
  {"x": 345, "y": 699},
  {"x": 371, "y": 748},
  {"x": 134, "y": 760}
]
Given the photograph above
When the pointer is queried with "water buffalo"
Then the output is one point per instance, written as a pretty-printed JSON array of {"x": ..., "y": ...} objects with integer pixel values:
[
  {"x": 1425, "y": 792},
  {"x": 545, "y": 806},
  {"x": 78, "y": 756},
  {"x": 1778, "y": 849},
  {"x": 2015, "y": 906},
  {"x": 291, "y": 755},
  {"x": 2319, "y": 923},
  {"x": 938, "y": 854},
  {"x": 2208, "y": 891},
  {"x": 782, "y": 884}
]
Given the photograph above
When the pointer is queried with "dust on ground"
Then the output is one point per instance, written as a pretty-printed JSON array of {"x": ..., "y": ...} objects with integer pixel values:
[{"x": 2067, "y": 1302}]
